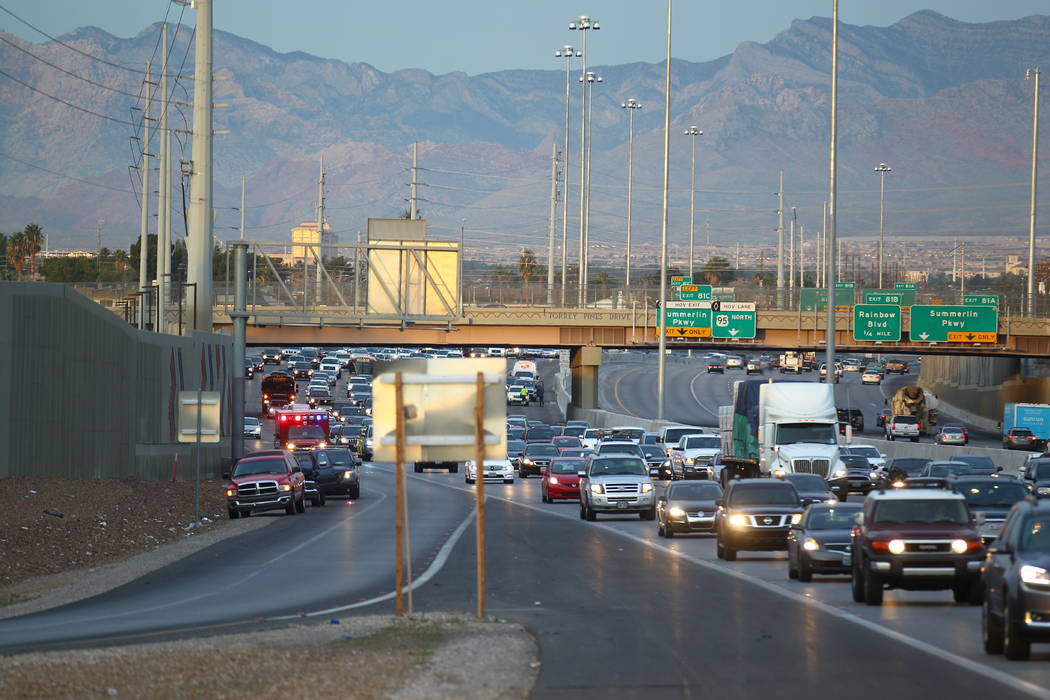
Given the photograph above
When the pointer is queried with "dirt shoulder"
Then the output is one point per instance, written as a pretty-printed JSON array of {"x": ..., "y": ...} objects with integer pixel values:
[{"x": 439, "y": 655}]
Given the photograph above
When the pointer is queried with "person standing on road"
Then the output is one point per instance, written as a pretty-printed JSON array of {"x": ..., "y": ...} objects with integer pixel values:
[{"x": 539, "y": 392}]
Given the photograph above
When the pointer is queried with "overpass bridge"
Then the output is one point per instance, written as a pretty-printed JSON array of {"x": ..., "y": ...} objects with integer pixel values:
[{"x": 603, "y": 328}]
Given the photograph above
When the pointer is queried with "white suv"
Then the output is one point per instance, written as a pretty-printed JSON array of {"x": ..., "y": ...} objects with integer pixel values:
[{"x": 903, "y": 427}]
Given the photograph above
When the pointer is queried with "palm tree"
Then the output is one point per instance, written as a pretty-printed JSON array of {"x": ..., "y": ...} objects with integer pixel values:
[
  {"x": 16, "y": 252},
  {"x": 34, "y": 241}
]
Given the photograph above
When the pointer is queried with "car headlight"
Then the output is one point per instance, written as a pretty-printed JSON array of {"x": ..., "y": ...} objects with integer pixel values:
[
  {"x": 839, "y": 473},
  {"x": 779, "y": 473},
  {"x": 231, "y": 491},
  {"x": 291, "y": 445},
  {"x": 646, "y": 488},
  {"x": 553, "y": 480},
  {"x": 527, "y": 460},
  {"x": 322, "y": 444},
  {"x": 898, "y": 484},
  {"x": 962, "y": 546},
  {"x": 738, "y": 520},
  {"x": 597, "y": 488},
  {"x": 897, "y": 546},
  {"x": 348, "y": 473},
  {"x": 690, "y": 460},
  {"x": 796, "y": 518},
  {"x": 284, "y": 487},
  {"x": 1034, "y": 575},
  {"x": 810, "y": 545},
  {"x": 873, "y": 475},
  {"x": 676, "y": 512}
]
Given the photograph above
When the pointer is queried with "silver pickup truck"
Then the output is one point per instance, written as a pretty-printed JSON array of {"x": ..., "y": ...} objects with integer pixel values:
[{"x": 616, "y": 484}]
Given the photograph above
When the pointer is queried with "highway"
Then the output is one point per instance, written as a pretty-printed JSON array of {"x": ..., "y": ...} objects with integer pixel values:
[
  {"x": 693, "y": 396},
  {"x": 617, "y": 610}
]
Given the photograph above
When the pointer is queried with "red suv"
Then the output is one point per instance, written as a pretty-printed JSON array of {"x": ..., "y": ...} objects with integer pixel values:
[
  {"x": 916, "y": 539},
  {"x": 265, "y": 483}
]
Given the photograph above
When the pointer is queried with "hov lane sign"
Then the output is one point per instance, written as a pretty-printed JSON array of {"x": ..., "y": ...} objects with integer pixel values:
[
  {"x": 955, "y": 324},
  {"x": 730, "y": 323},
  {"x": 877, "y": 322}
]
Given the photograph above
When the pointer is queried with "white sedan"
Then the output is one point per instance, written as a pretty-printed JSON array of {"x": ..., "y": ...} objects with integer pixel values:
[
  {"x": 495, "y": 470},
  {"x": 871, "y": 377}
]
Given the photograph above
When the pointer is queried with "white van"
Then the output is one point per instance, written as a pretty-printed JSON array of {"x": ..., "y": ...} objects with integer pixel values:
[{"x": 496, "y": 352}]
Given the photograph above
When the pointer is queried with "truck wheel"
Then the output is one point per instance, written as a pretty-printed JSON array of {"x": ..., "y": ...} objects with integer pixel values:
[
  {"x": 890, "y": 437},
  {"x": 728, "y": 553},
  {"x": 792, "y": 571},
  {"x": 648, "y": 514},
  {"x": 234, "y": 513},
  {"x": 290, "y": 508},
  {"x": 419, "y": 468},
  {"x": 991, "y": 631},
  {"x": 857, "y": 585},
  {"x": 591, "y": 515},
  {"x": 720, "y": 551},
  {"x": 355, "y": 491},
  {"x": 300, "y": 505},
  {"x": 805, "y": 571},
  {"x": 1015, "y": 647},
  {"x": 454, "y": 469},
  {"x": 872, "y": 588},
  {"x": 583, "y": 511}
]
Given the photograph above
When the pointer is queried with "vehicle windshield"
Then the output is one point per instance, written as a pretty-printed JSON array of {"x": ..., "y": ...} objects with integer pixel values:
[
  {"x": 1035, "y": 537},
  {"x": 623, "y": 466},
  {"x": 957, "y": 468},
  {"x": 764, "y": 494},
  {"x": 262, "y": 465},
  {"x": 807, "y": 482},
  {"x": 1020, "y": 432},
  {"x": 992, "y": 493},
  {"x": 592, "y": 434},
  {"x": 1040, "y": 470},
  {"x": 909, "y": 465},
  {"x": 541, "y": 450},
  {"x": 310, "y": 432},
  {"x": 565, "y": 441},
  {"x": 856, "y": 462},
  {"x": 566, "y": 466},
  {"x": 319, "y": 391},
  {"x": 978, "y": 462},
  {"x": 915, "y": 511},
  {"x": 809, "y": 433},
  {"x": 365, "y": 388},
  {"x": 703, "y": 443},
  {"x": 865, "y": 450},
  {"x": 674, "y": 435},
  {"x": 652, "y": 451},
  {"x": 905, "y": 419},
  {"x": 694, "y": 492},
  {"x": 515, "y": 446},
  {"x": 575, "y": 452},
  {"x": 830, "y": 518},
  {"x": 303, "y": 365},
  {"x": 251, "y": 420},
  {"x": 574, "y": 431},
  {"x": 623, "y": 448},
  {"x": 539, "y": 434},
  {"x": 627, "y": 433}
]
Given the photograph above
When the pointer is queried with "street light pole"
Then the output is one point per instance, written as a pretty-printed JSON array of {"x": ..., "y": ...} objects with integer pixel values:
[
  {"x": 566, "y": 52},
  {"x": 1030, "y": 302},
  {"x": 591, "y": 79},
  {"x": 882, "y": 170},
  {"x": 630, "y": 105},
  {"x": 661, "y": 316},
  {"x": 832, "y": 194},
  {"x": 582, "y": 25},
  {"x": 692, "y": 132}
]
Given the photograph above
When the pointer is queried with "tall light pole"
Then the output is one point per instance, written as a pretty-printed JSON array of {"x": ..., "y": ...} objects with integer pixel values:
[
  {"x": 661, "y": 323},
  {"x": 1030, "y": 303},
  {"x": 630, "y": 105},
  {"x": 882, "y": 170},
  {"x": 583, "y": 25},
  {"x": 199, "y": 241},
  {"x": 832, "y": 193},
  {"x": 566, "y": 52},
  {"x": 692, "y": 132},
  {"x": 589, "y": 81}
]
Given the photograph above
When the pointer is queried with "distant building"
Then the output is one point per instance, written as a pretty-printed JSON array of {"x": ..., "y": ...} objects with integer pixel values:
[
  {"x": 1015, "y": 265},
  {"x": 307, "y": 232}
]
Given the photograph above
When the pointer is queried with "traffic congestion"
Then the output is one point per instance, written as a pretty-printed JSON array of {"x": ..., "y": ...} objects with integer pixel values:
[{"x": 803, "y": 492}]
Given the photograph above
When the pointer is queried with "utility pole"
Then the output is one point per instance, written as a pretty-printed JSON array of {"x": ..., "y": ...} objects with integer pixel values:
[
  {"x": 1030, "y": 302},
  {"x": 98, "y": 261},
  {"x": 692, "y": 132},
  {"x": 319, "y": 251},
  {"x": 661, "y": 313},
  {"x": 144, "y": 220},
  {"x": 832, "y": 192},
  {"x": 780, "y": 243},
  {"x": 962, "y": 271},
  {"x": 164, "y": 194},
  {"x": 242, "y": 205},
  {"x": 583, "y": 25},
  {"x": 882, "y": 170},
  {"x": 412, "y": 196},
  {"x": 568, "y": 53},
  {"x": 550, "y": 224},
  {"x": 630, "y": 105},
  {"x": 199, "y": 241},
  {"x": 791, "y": 256},
  {"x": 801, "y": 258},
  {"x": 955, "y": 257}
]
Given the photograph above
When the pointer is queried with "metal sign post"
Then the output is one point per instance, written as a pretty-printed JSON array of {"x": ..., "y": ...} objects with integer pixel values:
[
  {"x": 479, "y": 443},
  {"x": 199, "y": 421},
  {"x": 399, "y": 488}
]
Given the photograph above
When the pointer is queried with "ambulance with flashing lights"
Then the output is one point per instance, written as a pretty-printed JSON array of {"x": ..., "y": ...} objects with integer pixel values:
[{"x": 298, "y": 428}]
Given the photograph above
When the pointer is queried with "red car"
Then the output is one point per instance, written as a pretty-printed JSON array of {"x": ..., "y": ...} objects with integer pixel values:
[
  {"x": 266, "y": 482},
  {"x": 561, "y": 441},
  {"x": 560, "y": 479}
]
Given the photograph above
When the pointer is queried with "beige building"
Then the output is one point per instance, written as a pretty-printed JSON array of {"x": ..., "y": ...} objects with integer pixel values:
[{"x": 307, "y": 232}]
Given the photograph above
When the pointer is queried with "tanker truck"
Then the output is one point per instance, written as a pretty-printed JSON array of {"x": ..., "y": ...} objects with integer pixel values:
[{"x": 774, "y": 428}]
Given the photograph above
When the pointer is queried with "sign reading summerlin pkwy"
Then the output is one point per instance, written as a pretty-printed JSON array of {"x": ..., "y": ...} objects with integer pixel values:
[{"x": 947, "y": 317}]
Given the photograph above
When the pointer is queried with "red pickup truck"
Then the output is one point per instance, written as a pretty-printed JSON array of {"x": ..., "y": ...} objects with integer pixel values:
[{"x": 263, "y": 483}]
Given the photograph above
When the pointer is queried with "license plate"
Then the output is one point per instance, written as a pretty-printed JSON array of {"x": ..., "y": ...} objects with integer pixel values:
[
  {"x": 654, "y": 470},
  {"x": 621, "y": 505}
]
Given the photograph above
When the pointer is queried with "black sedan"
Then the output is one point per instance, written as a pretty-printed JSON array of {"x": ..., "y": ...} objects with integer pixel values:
[
  {"x": 657, "y": 461},
  {"x": 901, "y": 468},
  {"x": 812, "y": 488},
  {"x": 687, "y": 507},
  {"x": 856, "y": 476},
  {"x": 820, "y": 543},
  {"x": 337, "y": 471}
]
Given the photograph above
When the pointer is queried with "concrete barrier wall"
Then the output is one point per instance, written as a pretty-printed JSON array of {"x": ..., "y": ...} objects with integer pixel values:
[
  {"x": 84, "y": 394},
  {"x": 975, "y": 389}
]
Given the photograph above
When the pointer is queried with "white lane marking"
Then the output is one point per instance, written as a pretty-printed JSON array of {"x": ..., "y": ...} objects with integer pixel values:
[
  {"x": 950, "y": 657},
  {"x": 692, "y": 390},
  {"x": 355, "y": 512},
  {"x": 432, "y": 570}
]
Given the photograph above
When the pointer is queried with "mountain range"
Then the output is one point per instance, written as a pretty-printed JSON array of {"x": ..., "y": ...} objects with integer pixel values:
[{"x": 944, "y": 103}]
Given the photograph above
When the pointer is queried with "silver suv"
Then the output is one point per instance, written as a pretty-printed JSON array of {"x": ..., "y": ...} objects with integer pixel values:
[
  {"x": 616, "y": 484},
  {"x": 902, "y": 426}
]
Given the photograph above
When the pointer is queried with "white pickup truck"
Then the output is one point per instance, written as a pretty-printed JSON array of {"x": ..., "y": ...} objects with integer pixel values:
[{"x": 696, "y": 454}]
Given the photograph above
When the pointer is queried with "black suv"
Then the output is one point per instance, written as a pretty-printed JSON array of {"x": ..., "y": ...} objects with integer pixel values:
[
  {"x": 853, "y": 416},
  {"x": 755, "y": 515},
  {"x": 990, "y": 499},
  {"x": 1017, "y": 582}
]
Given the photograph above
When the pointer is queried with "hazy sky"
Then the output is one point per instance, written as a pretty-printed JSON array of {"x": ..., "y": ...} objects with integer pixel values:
[{"x": 478, "y": 36}]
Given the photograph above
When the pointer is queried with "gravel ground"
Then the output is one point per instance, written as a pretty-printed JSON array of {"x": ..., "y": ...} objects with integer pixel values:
[{"x": 428, "y": 656}]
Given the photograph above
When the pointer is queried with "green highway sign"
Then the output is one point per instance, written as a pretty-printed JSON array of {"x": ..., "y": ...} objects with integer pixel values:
[
  {"x": 845, "y": 285},
  {"x": 900, "y": 297},
  {"x": 695, "y": 292},
  {"x": 723, "y": 293},
  {"x": 955, "y": 324},
  {"x": 980, "y": 300},
  {"x": 679, "y": 280},
  {"x": 817, "y": 299},
  {"x": 734, "y": 320},
  {"x": 688, "y": 319},
  {"x": 877, "y": 322},
  {"x": 905, "y": 285}
]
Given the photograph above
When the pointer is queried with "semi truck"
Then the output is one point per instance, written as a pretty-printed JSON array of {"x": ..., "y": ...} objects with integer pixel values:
[
  {"x": 913, "y": 401},
  {"x": 774, "y": 428},
  {"x": 1034, "y": 416}
]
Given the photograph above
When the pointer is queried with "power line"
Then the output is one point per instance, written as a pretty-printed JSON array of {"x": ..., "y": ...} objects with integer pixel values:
[{"x": 63, "y": 175}]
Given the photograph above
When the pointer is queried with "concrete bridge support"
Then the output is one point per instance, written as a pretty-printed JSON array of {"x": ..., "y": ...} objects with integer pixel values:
[{"x": 584, "y": 363}]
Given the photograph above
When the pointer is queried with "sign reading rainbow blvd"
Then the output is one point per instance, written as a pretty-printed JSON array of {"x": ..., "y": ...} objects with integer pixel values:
[
  {"x": 877, "y": 322},
  {"x": 955, "y": 324}
]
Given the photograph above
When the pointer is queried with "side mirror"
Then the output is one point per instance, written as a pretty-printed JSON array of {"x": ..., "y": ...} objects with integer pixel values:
[
  {"x": 581, "y": 474},
  {"x": 721, "y": 503},
  {"x": 979, "y": 519},
  {"x": 662, "y": 499},
  {"x": 225, "y": 475},
  {"x": 297, "y": 469},
  {"x": 998, "y": 469},
  {"x": 1000, "y": 547},
  {"x": 858, "y": 519}
]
